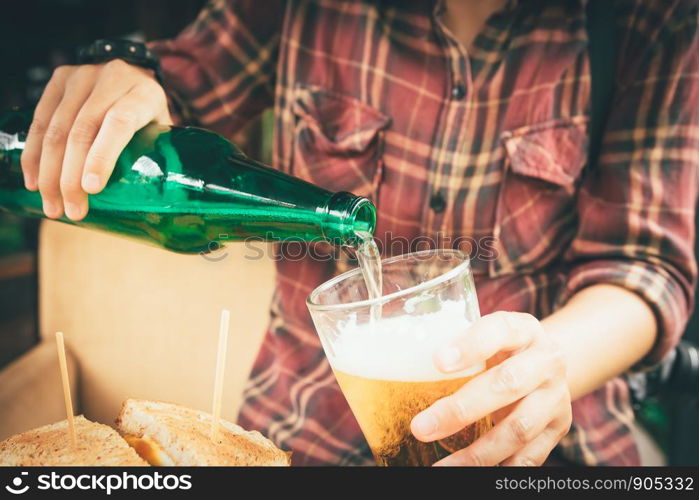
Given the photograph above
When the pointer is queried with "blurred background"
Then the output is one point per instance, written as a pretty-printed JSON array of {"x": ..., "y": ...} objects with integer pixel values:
[{"x": 36, "y": 36}]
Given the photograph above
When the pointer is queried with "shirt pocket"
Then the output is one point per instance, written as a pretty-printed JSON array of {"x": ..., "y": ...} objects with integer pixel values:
[
  {"x": 338, "y": 141},
  {"x": 536, "y": 215}
]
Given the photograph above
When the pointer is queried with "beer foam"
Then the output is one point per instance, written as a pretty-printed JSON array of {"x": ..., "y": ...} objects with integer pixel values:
[{"x": 400, "y": 348}]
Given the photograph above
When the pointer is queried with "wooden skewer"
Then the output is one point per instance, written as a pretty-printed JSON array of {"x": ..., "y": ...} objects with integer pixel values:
[
  {"x": 60, "y": 345},
  {"x": 220, "y": 366}
]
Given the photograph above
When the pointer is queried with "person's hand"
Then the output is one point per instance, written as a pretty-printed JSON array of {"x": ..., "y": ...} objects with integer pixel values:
[
  {"x": 526, "y": 392},
  {"x": 85, "y": 117}
]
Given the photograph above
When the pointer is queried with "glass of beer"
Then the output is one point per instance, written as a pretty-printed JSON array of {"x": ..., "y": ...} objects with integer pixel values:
[{"x": 383, "y": 360}]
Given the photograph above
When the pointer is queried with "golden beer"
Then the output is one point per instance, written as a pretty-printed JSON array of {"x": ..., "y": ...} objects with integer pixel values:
[{"x": 384, "y": 409}]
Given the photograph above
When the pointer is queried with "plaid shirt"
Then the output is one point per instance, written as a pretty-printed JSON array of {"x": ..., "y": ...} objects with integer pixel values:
[{"x": 484, "y": 150}]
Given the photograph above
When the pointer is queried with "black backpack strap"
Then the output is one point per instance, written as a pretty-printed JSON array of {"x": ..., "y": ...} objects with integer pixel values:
[{"x": 601, "y": 33}]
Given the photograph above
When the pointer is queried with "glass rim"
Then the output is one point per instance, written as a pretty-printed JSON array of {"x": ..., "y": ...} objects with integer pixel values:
[{"x": 451, "y": 273}]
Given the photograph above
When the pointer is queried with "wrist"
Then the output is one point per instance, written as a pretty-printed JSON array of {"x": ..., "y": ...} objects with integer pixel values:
[{"x": 135, "y": 53}]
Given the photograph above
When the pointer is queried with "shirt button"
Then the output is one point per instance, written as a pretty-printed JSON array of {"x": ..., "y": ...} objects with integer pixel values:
[
  {"x": 437, "y": 202},
  {"x": 458, "y": 91}
]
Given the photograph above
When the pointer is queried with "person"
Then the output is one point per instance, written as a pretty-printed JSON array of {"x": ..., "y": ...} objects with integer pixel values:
[{"x": 464, "y": 121}]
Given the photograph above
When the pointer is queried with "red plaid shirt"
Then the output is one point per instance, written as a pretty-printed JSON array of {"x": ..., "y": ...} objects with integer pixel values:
[{"x": 484, "y": 150}]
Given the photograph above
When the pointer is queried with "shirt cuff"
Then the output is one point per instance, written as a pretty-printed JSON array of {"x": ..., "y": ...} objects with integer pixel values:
[
  {"x": 653, "y": 283},
  {"x": 179, "y": 111}
]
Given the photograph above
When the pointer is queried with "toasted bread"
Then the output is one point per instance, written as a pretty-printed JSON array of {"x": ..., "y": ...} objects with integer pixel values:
[
  {"x": 170, "y": 434},
  {"x": 51, "y": 446}
]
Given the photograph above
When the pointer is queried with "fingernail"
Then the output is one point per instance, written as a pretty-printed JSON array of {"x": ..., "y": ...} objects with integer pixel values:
[
  {"x": 449, "y": 356},
  {"x": 91, "y": 182},
  {"x": 73, "y": 210},
  {"x": 425, "y": 424},
  {"x": 49, "y": 208}
]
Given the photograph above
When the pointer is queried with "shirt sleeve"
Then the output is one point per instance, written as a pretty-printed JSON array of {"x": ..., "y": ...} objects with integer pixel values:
[
  {"x": 219, "y": 72},
  {"x": 637, "y": 207}
]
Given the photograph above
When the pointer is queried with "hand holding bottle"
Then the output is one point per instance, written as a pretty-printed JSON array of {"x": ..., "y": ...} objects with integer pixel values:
[{"x": 84, "y": 119}]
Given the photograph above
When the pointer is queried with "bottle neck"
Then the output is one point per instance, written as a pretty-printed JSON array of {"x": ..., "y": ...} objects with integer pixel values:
[{"x": 345, "y": 216}]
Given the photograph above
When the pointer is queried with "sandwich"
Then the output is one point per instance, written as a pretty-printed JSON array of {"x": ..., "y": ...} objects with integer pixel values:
[
  {"x": 51, "y": 445},
  {"x": 170, "y": 434},
  {"x": 154, "y": 433}
]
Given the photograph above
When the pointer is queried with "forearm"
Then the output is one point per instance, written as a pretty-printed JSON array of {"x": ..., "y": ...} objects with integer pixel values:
[{"x": 603, "y": 330}]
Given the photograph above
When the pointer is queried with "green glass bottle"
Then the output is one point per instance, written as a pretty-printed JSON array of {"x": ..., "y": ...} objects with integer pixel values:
[{"x": 190, "y": 190}]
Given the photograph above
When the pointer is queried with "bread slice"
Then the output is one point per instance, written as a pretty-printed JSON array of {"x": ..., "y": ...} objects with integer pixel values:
[
  {"x": 170, "y": 434},
  {"x": 51, "y": 446}
]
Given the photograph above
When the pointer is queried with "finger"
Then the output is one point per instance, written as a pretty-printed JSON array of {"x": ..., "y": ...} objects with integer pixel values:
[
  {"x": 80, "y": 139},
  {"x": 538, "y": 450},
  {"x": 527, "y": 420},
  {"x": 78, "y": 87},
  {"x": 501, "y": 331},
  {"x": 130, "y": 113},
  {"x": 43, "y": 112},
  {"x": 495, "y": 388}
]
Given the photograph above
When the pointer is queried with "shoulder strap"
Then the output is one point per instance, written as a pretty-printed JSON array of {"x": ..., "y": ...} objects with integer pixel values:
[{"x": 602, "y": 52}]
